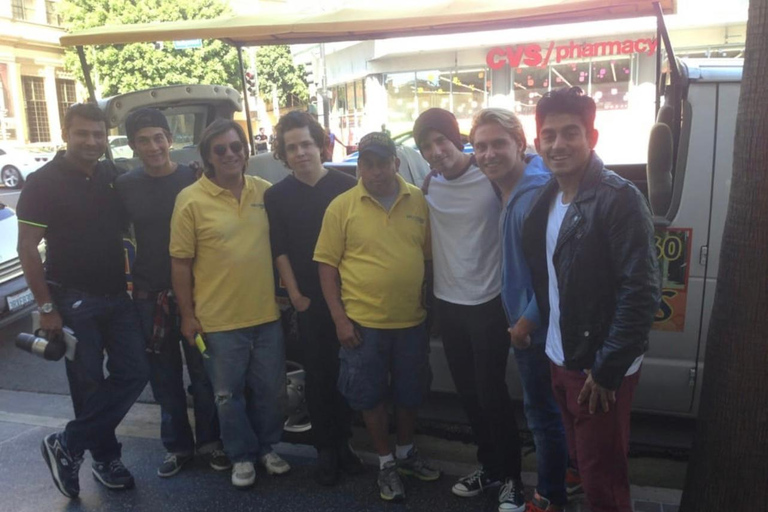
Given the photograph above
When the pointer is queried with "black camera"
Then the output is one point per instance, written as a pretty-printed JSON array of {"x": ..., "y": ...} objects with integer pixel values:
[{"x": 52, "y": 350}]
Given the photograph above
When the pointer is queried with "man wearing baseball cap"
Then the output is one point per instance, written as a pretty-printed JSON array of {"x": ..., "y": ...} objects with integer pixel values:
[
  {"x": 371, "y": 254},
  {"x": 464, "y": 210},
  {"x": 148, "y": 194}
]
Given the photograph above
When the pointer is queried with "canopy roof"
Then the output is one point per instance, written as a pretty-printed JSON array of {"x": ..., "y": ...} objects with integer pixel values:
[{"x": 276, "y": 24}]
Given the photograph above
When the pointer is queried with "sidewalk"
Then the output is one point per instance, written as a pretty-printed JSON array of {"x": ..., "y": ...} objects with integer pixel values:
[{"x": 25, "y": 418}]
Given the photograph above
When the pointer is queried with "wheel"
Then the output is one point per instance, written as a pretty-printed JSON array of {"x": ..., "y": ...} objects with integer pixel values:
[
  {"x": 11, "y": 177},
  {"x": 297, "y": 414}
]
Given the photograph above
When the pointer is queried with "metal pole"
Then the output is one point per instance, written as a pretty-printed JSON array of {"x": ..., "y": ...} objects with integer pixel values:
[
  {"x": 658, "y": 70},
  {"x": 662, "y": 29},
  {"x": 245, "y": 101},
  {"x": 91, "y": 89}
]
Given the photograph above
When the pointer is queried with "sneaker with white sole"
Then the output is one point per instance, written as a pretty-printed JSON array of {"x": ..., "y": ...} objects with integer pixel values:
[
  {"x": 390, "y": 485},
  {"x": 417, "y": 466},
  {"x": 243, "y": 474},
  {"x": 475, "y": 483},
  {"x": 274, "y": 464},
  {"x": 218, "y": 460},
  {"x": 64, "y": 465},
  {"x": 112, "y": 475},
  {"x": 512, "y": 496}
]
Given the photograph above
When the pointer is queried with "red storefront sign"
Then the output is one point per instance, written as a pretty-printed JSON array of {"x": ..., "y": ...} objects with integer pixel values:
[{"x": 532, "y": 54}]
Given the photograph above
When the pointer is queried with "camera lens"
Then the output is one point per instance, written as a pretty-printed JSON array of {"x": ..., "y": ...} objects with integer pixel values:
[{"x": 52, "y": 350}]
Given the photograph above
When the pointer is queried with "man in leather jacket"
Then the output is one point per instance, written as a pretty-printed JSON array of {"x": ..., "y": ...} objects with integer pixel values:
[{"x": 588, "y": 240}]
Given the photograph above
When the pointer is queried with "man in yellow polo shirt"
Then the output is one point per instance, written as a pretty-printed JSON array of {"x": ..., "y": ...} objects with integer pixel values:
[
  {"x": 371, "y": 252},
  {"x": 224, "y": 284}
]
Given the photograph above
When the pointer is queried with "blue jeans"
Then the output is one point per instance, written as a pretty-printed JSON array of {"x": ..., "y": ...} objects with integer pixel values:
[
  {"x": 167, "y": 381},
  {"x": 545, "y": 421},
  {"x": 252, "y": 359},
  {"x": 101, "y": 323}
]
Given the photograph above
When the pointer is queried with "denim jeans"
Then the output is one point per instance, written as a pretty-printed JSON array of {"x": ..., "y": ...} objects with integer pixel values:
[
  {"x": 252, "y": 359},
  {"x": 167, "y": 381},
  {"x": 101, "y": 324},
  {"x": 544, "y": 421}
]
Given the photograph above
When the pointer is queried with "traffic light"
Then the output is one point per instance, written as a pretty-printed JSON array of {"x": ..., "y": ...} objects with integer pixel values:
[{"x": 250, "y": 83}]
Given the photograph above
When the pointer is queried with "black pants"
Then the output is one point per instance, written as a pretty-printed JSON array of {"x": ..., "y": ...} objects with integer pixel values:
[
  {"x": 477, "y": 345},
  {"x": 328, "y": 409}
]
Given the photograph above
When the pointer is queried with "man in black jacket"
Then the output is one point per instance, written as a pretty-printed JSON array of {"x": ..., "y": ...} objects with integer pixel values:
[{"x": 589, "y": 242}]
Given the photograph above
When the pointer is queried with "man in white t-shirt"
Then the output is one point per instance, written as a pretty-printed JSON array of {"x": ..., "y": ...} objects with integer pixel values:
[
  {"x": 588, "y": 240},
  {"x": 464, "y": 210}
]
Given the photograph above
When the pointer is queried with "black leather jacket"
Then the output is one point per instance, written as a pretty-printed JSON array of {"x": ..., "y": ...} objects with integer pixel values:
[{"x": 607, "y": 272}]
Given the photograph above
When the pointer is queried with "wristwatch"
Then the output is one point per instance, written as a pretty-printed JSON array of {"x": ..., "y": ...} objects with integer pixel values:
[{"x": 46, "y": 308}]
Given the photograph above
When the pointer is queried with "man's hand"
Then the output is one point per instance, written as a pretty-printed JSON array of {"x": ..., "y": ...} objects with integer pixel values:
[
  {"x": 51, "y": 323},
  {"x": 348, "y": 335},
  {"x": 519, "y": 340},
  {"x": 595, "y": 393},
  {"x": 300, "y": 303},
  {"x": 190, "y": 326}
]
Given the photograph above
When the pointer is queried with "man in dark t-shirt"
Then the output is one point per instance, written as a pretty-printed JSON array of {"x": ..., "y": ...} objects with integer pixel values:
[
  {"x": 295, "y": 207},
  {"x": 261, "y": 141},
  {"x": 148, "y": 194},
  {"x": 72, "y": 203}
]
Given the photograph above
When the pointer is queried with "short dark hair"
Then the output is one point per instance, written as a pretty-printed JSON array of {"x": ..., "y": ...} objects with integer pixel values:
[
  {"x": 299, "y": 119},
  {"x": 567, "y": 100},
  {"x": 215, "y": 129},
  {"x": 89, "y": 111}
]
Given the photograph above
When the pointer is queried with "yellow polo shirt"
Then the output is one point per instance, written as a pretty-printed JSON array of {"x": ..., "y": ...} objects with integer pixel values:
[
  {"x": 234, "y": 281},
  {"x": 380, "y": 255}
]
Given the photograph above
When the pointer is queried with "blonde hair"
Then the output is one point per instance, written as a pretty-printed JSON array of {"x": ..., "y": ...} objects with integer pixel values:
[{"x": 508, "y": 121}]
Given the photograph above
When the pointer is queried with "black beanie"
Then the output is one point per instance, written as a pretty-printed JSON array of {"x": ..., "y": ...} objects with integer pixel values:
[
  {"x": 439, "y": 120},
  {"x": 144, "y": 118}
]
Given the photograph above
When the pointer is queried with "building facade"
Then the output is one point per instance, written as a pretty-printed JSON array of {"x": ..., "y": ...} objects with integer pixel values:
[{"x": 35, "y": 90}]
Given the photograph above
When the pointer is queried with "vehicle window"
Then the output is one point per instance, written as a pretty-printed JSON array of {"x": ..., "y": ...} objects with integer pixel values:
[{"x": 183, "y": 128}]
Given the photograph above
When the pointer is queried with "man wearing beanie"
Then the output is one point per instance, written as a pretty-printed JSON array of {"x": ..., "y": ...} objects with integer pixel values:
[
  {"x": 148, "y": 194},
  {"x": 464, "y": 210}
]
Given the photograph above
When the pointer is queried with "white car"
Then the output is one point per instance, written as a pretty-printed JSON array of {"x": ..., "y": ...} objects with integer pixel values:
[
  {"x": 118, "y": 144},
  {"x": 16, "y": 165},
  {"x": 16, "y": 299}
]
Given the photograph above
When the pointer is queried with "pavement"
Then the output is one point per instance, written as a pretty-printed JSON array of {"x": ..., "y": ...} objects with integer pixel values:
[{"x": 26, "y": 417}]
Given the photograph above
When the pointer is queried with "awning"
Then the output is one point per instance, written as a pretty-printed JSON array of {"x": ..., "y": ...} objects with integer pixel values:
[{"x": 277, "y": 25}]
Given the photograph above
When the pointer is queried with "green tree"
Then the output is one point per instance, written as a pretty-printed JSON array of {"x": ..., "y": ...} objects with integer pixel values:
[
  {"x": 275, "y": 67},
  {"x": 124, "y": 68}
]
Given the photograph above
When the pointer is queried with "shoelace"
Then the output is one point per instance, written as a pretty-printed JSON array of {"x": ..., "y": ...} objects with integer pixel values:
[
  {"x": 116, "y": 466},
  {"x": 170, "y": 457},
  {"x": 477, "y": 476},
  {"x": 509, "y": 492},
  {"x": 218, "y": 453},
  {"x": 390, "y": 477}
]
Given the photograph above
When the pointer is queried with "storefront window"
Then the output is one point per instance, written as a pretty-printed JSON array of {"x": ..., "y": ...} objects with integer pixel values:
[
  {"x": 359, "y": 95},
  {"x": 610, "y": 84},
  {"x": 401, "y": 102},
  {"x": 470, "y": 94},
  {"x": 530, "y": 84}
]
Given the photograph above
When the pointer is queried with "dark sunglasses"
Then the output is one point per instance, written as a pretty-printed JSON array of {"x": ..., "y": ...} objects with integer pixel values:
[{"x": 221, "y": 149}]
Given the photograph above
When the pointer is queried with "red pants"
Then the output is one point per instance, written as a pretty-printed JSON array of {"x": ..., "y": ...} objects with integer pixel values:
[{"x": 597, "y": 443}]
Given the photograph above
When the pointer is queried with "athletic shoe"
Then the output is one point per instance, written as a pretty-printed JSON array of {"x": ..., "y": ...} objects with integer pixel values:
[
  {"x": 474, "y": 483},
  {"x": 327, "y": 470},
  {"x": 113, "y": 474},
  {"x": 573, "y": 486},
  {"x": 349, "y": 461},
  {"x": 418, "y": 466},
  {"x": 274, "y": 464},
  {"x": 541, "y": 504},
  {"x": 64, "y": 466},
  {"x": 243, "y": 474},
  {"x": 172, "y": 464},
  {"x": 512, "y": 496},
  {"x": 218, "y": 460},
  {"x": 390, "y": 486}
]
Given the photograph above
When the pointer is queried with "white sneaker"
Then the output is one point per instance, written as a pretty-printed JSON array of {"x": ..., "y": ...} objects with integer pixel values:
[
  {"x": 243, "y": 474},
  {"x": 274, "y": 464}
]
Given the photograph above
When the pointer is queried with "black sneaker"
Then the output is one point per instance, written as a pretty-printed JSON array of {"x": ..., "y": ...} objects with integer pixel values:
[
  {"x": 475, "y": 483},
  {"x": 573, "y": 486},
  {"x": 64, "y": 466},
  {"x": 112, "y": 474},
  {"x": 512, "y": 496},
  {"x": 349, "y": 461},
  {"x": 327, "y": 470},
  {"x": 219, "y": 461},
  {"x": 172, "y": 464}
]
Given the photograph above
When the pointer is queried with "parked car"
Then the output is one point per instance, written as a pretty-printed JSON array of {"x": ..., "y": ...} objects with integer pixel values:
[
  {"x": 16, "y": 165},
  {"x": 406, "y": 139},
  {"x": 16, "y": 298},
  {"x": 118, "y": 144}
]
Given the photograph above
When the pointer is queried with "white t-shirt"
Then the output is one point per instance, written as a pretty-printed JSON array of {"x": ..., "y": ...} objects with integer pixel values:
[
  {"x": 554, "y": 346},
  {"x": 466, "y": 248}
]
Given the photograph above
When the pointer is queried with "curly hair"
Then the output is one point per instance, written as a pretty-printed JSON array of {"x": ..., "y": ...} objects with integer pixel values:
[{"x": 299, "y": 119}]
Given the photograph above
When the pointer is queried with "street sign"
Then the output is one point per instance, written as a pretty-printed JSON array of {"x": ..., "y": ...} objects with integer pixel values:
[{"x": 187, "y": 44}]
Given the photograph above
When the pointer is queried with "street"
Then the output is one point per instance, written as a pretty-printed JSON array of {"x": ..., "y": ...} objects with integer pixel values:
[
  {"x": 9, "y": 197},
  {"x": 34, "y": 402}
]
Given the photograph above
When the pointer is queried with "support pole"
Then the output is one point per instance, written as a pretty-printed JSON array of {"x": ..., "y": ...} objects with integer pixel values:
[
  {"x": 245, "y": 101},
  {"x": 91, "y": 89}
]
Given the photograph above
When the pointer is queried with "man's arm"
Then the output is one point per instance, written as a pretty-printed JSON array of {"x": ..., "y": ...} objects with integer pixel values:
[
  {"x": 330, "y": 282},
  {"x": 32, "y": 264},
  {"x": 284, "y": 268},
  {"x": 181, "y": 277}
]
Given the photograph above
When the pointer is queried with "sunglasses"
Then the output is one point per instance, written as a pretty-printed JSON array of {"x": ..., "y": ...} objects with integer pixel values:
[{"x": 221, "y": 149}]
